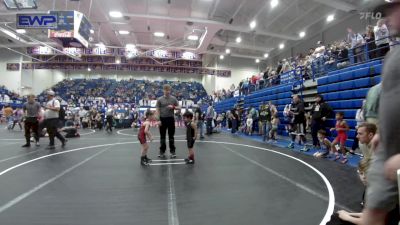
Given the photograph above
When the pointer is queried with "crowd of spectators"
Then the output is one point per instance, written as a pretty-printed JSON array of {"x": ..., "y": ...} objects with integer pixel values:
[
  {"x": 355, "y": 48},
  {"x": 79, "y": 92}
]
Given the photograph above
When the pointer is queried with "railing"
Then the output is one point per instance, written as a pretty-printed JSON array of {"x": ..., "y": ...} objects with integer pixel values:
[
  {"x": 321, "y": 66},
  {"x": 357, "y": 55}
]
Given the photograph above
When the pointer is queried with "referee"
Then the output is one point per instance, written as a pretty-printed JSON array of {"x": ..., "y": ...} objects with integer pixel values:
[
  {"x": 31, "y": 112},
  {"x": 165, "y": 111}
]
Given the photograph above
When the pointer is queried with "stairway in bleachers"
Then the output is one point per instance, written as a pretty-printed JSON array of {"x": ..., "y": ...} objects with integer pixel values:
[{"x": 279, "y": 95}]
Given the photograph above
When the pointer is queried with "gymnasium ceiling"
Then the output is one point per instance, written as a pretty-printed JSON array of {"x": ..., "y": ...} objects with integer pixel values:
[{"x": 217, "y": 23}]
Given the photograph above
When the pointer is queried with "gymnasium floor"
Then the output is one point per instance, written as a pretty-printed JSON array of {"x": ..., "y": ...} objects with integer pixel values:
[{"x": 97, "y": 179}]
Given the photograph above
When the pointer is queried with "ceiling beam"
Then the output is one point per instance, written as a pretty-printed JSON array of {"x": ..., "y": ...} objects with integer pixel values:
[
  {"x": 344, "y": 18},
  {"x": 307, "y": 13},
  {"x": 238, "y": 9},
  {"x": 236, "y": 55},
  {"x": 219, "y": 42},
  {"x": 282, "y": 12},
  {"x": 215, "y": 6},
  {"x": 219, "y": 25},
  {"x": 338, "y": 4}
]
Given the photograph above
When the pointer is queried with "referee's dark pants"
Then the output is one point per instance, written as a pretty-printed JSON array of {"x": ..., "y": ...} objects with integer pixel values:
[
  {"x": 52, "y": 128},
  {"x": 31, "y": 123},
  {"x": 167, "y": 123},
  {"x": 109, "y": 120},
  {"x": 209, "y": 126}
]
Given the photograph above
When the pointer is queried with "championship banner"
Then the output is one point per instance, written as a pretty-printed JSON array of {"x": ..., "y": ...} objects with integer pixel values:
[
  {"x": 161, "y": 55},
  {"x": 74, "y": 66},
  {"x": 13, "y": 66}
]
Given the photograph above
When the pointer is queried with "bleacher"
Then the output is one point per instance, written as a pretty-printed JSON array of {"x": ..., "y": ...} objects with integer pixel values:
[
  {"x": 278, "y": 95},
  {"x": 344, "y": 90},
  {"x": 130, "y": 88}
]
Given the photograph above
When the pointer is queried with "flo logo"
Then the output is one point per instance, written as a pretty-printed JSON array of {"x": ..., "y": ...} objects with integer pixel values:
[{"x": 370, "y": 15}]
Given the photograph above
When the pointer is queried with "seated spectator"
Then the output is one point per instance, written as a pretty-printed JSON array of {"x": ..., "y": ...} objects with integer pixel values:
[
  {"x": 70, "y": 129},
  {"x": 343, "y": 56},
  {"x": 365, "y": 133}
]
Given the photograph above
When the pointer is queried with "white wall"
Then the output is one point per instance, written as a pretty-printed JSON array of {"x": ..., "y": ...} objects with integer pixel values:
[
  {"x": 33, "y": 81},
  {"x": 240, "y": 69},
  {"x": 10, "y": 79},
  {"x": 209, "y": 82}
]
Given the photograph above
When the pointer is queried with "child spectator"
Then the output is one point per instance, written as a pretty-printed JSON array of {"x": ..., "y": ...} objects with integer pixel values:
[
  {"x": 341, "y": 128},
  {"x": 249, "y": 124},
  {"x": 325, "y": 145},
  {"x": 274, "y": 127}
]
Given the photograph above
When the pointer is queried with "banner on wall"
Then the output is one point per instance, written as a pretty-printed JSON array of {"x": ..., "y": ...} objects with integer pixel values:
[
  {"x": 119, "y": 67},
  {"x": 13, "y": 66},
  {"x": 132, "y": 53}
]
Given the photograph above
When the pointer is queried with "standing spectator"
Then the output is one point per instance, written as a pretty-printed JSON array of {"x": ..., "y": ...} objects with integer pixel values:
[
  {"x": 357, "y": 44},
  {"x": 297, "y": 129},
  {"x": 381, "y": 38},
  {"x": 365, "y": 133},
  {"x": 199, "y": 120},
  {"x": 31, "y": 112},
  {"x": 359, "y": 120},
  {"x": 235, "y": 120},
  {"x": 165, "y": 107},
  {"x": 382, "y": 191},
  {"x": 320, "y": 111},
  {"x": 262, "y": 120},
  {"x": 371, "y": 108},
  {"x": 110, "y": 113},
  {"x": 51, "y": 115},
  {"x": 209, "y": 117},
  {"x": 254, "y": 116},
  {"x": 370, "y": 40}
]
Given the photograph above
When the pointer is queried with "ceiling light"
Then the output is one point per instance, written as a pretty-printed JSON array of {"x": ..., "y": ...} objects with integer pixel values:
[
  {"x": 238, "y": 39},
  {"x": 257, "y": 60},
  {"x": 117, "y": 61},
  {"x": 302, "y": 34},
  {"x": 159, "y": 34},
  {"x": 188, "y": 55},
  {"x": 115, "y": 14},
  {"x": 193, "y": 37},
  {"x": 20, "y": 31},
  {"x": 88, "y": 69},
  {"x": 281, "y": 46},
  {"x": 91, "y": 31},
  {"x": 100, "y": 45},
  {"x": 274, "y": 3},
  {"x": 123, "y": 32},
  {"x": 130, "y": 46},
  {"x": 221, "y": 57},
  {"x": 228, "y": 51},
  {"x": 253, "y": 24},
  {"x": 266, "y": 55},
  {"x": 330, "y": 18}
]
